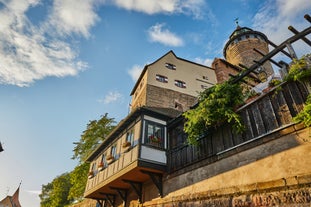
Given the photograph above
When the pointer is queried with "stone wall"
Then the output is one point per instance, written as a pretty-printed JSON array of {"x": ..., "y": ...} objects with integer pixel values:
[
  {"x": 161, "y": 97},
  {"x": 276, "y": 173}
]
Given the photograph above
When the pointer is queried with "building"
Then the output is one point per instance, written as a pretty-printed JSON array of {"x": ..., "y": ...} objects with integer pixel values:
[
  {"x": 246, "y": 46},
  {"x": 146, "y": 161},
  {"x": 11, "y": 201},
  {"x": 171, "y": 82}
]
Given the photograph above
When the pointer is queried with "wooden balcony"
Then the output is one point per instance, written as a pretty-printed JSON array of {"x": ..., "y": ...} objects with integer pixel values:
[{"x": 267, "y": 117}]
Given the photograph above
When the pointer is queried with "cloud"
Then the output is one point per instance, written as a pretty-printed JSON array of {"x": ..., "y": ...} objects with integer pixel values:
[
  {"x": 274, "y": 17},
  {"x": 111, "y": 97},
  {"x": 135, "y": 71},
  {"x": 191, "y": 7},
  {"x": 26, "y": 53},
  {"x": 207, "y": 62},
  {"x": 73, "y": 16},
  {"x": 164, "y": 36},
  {"x": 34, "y": 192}
]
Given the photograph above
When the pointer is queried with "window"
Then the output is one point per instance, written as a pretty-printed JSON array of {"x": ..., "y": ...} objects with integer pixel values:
[
  {"x": 161, "y": 78},
  {"x": 205, "y": 77},
  {"x": 113, "y": 151},
  {"x": 154, "y": 134},
  {"x": 170, "y": 66},
  {"x": 130, "y": 136},
  {"x": 180, "y": 84},
  {"x": 104, "y": 161}
]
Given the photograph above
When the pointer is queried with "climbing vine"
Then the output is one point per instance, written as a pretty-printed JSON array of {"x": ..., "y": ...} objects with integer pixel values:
[
  {"x": 216, "y": 106},
  {"x": 300, "y": 70}
]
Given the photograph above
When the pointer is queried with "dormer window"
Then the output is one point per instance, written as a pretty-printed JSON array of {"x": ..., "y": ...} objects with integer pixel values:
[
  {"x": 161, "y": 78},
  {"x": 170, "y": 66},
  {"x": 180, "y": 84}
]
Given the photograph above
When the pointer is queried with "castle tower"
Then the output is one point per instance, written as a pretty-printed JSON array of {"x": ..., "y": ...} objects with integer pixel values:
[{"x": 240, "y": 49}]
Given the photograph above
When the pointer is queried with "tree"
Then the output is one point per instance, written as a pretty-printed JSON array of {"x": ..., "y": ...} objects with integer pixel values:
[
  {"x": 78, "y": 179},
  {"x": 96, "y": 131},
  {"x": 55, "y": 194},
  {"x": 69, "y": 187}
]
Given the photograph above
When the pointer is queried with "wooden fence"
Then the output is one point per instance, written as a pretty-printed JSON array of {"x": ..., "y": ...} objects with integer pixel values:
[{"x": 267, "y": 114}]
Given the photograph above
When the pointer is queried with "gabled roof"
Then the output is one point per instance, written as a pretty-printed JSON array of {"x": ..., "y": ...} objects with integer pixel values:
[
  {"x": 146, "y": 67},
  {"x": 163, "y": 113}
]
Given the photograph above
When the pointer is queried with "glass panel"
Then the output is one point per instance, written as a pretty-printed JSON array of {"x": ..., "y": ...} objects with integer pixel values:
[{"x": 154, "y": 134}]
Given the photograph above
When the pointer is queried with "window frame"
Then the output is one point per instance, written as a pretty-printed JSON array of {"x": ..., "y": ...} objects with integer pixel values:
[
  {"x": 161, "y": 78},
  {"x": 180, "y": 84},
  {"x": 170, "y": 66},
  {"x": 151, "y": 136}
]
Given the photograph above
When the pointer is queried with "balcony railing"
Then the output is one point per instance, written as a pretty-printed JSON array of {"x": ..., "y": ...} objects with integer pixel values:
[
  {"x": 124, "y": 160},
  {"x": 267, "y": 114}
]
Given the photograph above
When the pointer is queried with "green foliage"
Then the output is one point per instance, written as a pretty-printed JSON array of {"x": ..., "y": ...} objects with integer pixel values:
[
  {"x": 274, "y": 82},
  {"x": 300, "y": 70},
  {"x": 78, "y": 179},
  {"x": 69, "y": 187},
  {"x": 304, "y": 116},
  {"x": 55, "y": 194},
  {"x": 94, "y": 134},
  {"x": 216, "y": 107}
]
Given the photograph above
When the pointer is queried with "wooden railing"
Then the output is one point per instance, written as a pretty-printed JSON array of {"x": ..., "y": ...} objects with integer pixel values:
[
  {"x": 267, "y": 114},
  {"x": 122, "y": 162}
]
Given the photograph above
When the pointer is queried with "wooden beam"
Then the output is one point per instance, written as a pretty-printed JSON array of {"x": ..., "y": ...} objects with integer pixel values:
[
  {"x": 306, "y": 40},
  {"x": 111, "y": 198},
  {"x": 156, "y": 179},
  {"x": 137, "y": 186},
  {"x": 271, "y": 60},
  {"x": 123, "y": 192},
  {"x": 307, "y": 17}
]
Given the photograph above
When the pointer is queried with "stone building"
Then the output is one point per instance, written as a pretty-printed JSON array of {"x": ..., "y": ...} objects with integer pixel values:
[
  {"x": 171, "y": 82},
  {"x": 146, "y": 161}
]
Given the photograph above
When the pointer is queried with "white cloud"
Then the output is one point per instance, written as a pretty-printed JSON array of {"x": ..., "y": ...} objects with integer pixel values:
[
  {"x": 164, "y": 36},
  {"x": 111, "y": 97},
  {"x": 26, "y": 54},
  {"x": 74, "y": 16},
  {"x": 192, "y": 7},
  {"x": 135, "y": 72},
  {"x": 34, "y": 192},
  {"x": 207, "y": 62},
  {"x": 274, "y": 18}
]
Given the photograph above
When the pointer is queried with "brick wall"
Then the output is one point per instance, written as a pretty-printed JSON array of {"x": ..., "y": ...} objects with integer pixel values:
[
  {"x": 161, "y": 97},
  {"x": 242, "y": 52}
]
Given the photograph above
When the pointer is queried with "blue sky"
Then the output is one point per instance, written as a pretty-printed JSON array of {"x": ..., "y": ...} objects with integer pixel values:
[{"x": 65, "y": 62}]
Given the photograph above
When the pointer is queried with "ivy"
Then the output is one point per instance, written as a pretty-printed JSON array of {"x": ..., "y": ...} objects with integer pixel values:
[
  {"x": 216, "y": 106},
  {"x": 304, "y": 116},
  {"x": 300, "y": 70}
]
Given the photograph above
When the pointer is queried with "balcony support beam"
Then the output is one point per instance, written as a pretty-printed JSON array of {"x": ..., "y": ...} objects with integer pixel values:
[
  {"x": 123, "y": 192},
  {"x": 137, "y": 186},
  {"x": 100, "y": 202},
  {"x": 156, "y": 179},
  {"x": 111, "y": 198}
]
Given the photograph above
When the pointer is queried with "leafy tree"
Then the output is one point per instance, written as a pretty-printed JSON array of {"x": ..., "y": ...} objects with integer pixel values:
[
  {"x": 55, "y": 194},
  {"x": 69, "y": 187},
  {"x": 94, "y": 134},
  {"x": 78, "y": 179}
]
